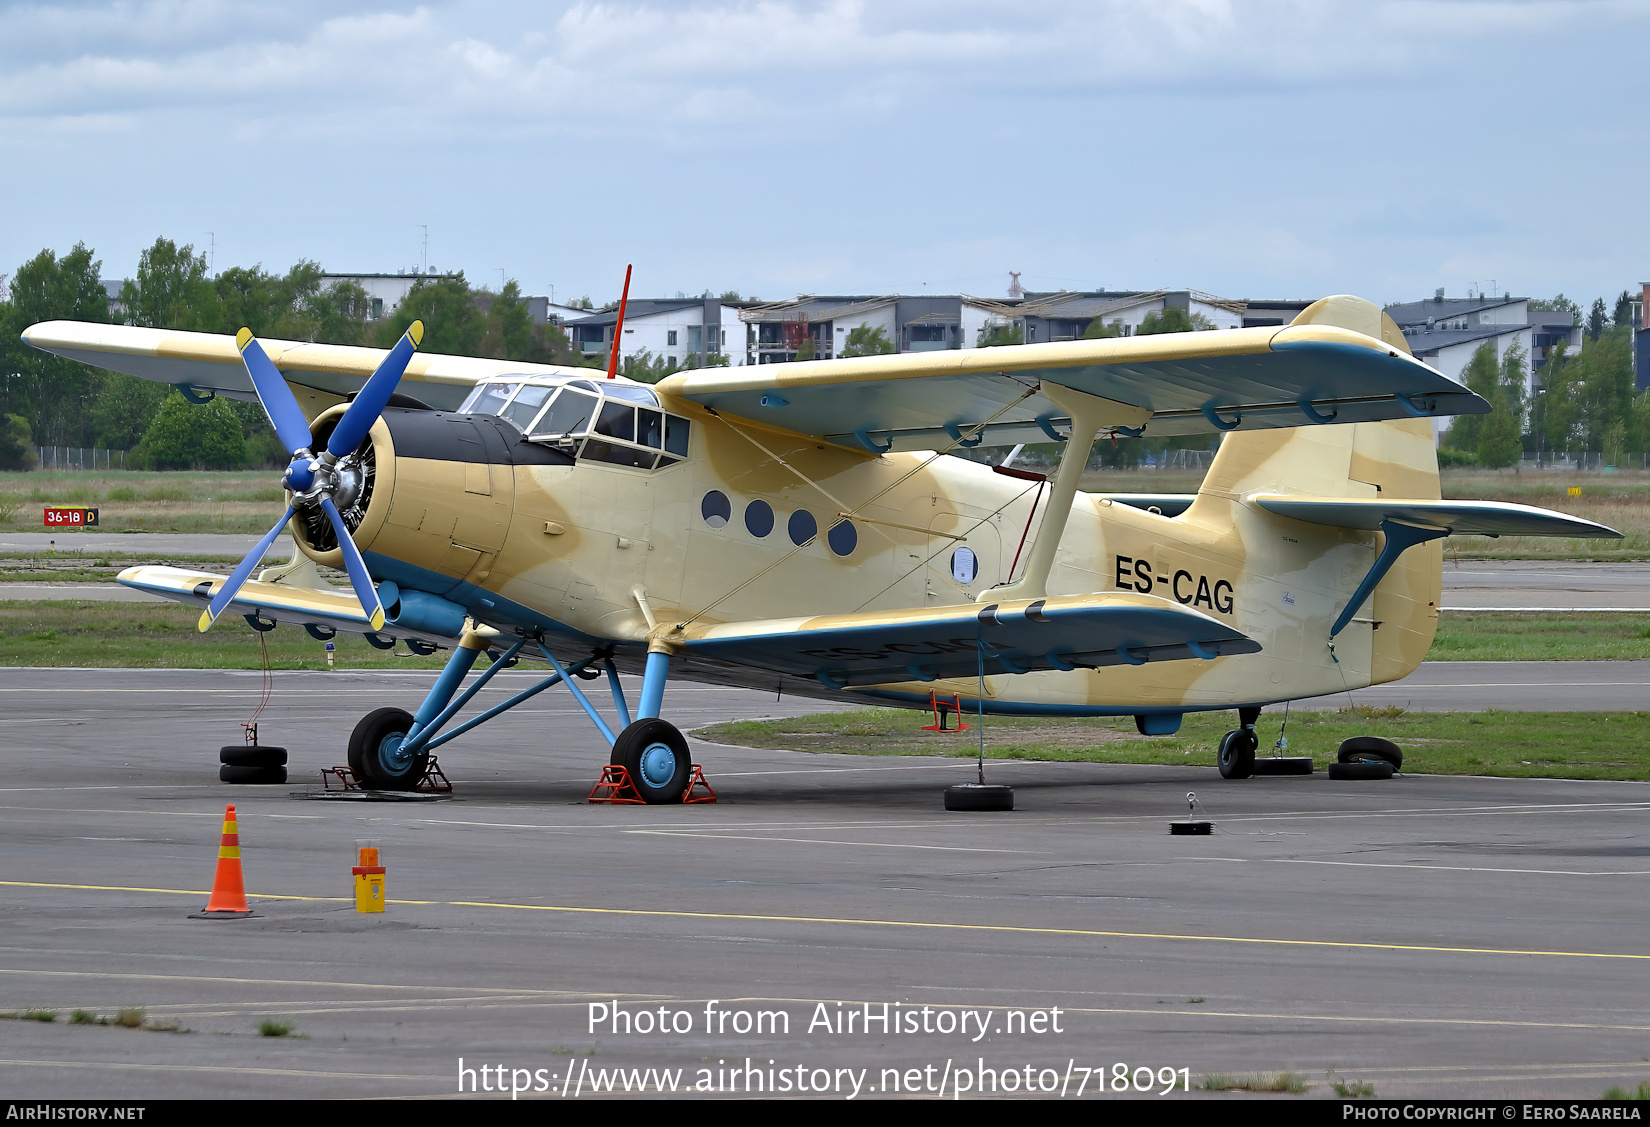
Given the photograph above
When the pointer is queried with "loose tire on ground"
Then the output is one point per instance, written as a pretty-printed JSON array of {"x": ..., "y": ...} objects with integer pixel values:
[
  {"x": 1361, "y": 769},
  {"x": 657, "y": 757},
  {"x": 979, "y": 796},
  {"x": 252, "y": 755},
  {"x": 374, "y": 751},
  {"x": 251, "y": 776},
  {"x": 1371, "y": 747},
  {"x": 1236, "y": 755}
]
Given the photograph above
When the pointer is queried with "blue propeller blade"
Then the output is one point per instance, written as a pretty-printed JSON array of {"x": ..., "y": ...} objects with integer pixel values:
[
  {"x": 370, "y": 403},
  {"x": 226, "y": 593},
  {"x": 357, "y": 567},
  {"x": 279, "y": 404}
]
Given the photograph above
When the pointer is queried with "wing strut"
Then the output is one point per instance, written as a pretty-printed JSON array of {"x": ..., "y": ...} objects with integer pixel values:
[{"x": 1089, "y": 415}]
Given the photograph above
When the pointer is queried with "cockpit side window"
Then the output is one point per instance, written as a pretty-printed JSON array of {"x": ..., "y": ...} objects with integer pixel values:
[
  {"x": 488, "y": 398},
  {"x": 595, "y": 421},
  {"x": 569, "y": 414},
  {"x": 525, "y": 406}
]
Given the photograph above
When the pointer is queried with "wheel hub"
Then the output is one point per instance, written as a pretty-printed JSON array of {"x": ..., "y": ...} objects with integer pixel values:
[{"x": 657, "y": 765}]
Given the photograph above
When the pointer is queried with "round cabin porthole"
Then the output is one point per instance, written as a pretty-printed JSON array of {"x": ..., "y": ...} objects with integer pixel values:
[
  {"x": 843, "y": 538},
  {"x": 715, "y": 509},
  {"x": 759, "y": 518},
  {"x": 965, "y": 566},
  {"x": 802, "y": 527}
]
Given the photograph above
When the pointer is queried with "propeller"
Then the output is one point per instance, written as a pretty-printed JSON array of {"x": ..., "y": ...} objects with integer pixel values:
[{"x": 312, "y": 478}]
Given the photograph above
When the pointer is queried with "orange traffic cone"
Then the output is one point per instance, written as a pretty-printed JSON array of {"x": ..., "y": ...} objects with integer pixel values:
[{"x": 228, "y": 900}]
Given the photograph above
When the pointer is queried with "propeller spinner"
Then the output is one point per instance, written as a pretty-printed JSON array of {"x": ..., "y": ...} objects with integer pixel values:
[{"x": 313, "y": 478}]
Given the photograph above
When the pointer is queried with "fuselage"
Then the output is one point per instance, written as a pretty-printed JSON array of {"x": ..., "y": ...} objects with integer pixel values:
[{"x": 600, "y": 543}]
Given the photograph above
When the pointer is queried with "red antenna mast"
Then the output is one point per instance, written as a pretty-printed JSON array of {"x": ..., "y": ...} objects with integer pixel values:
[{"x": 618, "y": 330}]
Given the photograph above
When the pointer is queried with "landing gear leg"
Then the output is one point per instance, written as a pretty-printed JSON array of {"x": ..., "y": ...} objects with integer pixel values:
[
  {"x": 1236, "y": 755},
  {"x": 653, "y": 750}
]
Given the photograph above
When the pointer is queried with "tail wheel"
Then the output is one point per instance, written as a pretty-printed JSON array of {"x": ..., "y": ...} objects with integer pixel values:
[
  {"x": 656, "y": 756},
  {"x": 1236, "y": 756},
  {"x": 375, "y": 753}
]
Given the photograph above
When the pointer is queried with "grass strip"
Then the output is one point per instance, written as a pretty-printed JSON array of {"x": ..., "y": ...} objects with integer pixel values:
[{"x": 1568, "y": 745}]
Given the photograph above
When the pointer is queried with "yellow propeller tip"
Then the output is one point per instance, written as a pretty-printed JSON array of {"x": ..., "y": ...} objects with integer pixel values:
[
  {"x": 205, "y": 623},
  {"x": 378, "y": 619},
  {"x": 416, "y": 332},
  {"x": 243, "y": 337}
]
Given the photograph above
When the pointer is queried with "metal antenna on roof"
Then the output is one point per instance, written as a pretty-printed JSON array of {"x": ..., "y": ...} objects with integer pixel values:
[{"x": 618, "y": 330}]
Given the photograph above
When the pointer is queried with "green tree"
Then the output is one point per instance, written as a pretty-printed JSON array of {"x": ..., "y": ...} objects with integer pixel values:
[
  {"x": 1559, "y": 304},
  {"x": 1481, "y": 375},
  {"x": 806, "y": 350},
  {"x": 1501, "y": 433},
  {"x": 452, "y": 323},
  {"x": 866, "y": 341},
  {"x": 51, "y": 393},
  {"x": 16, "y": 444},
  {"x": 994, "y": 336},
  {"x": 1173, "y": 321},
  {"x": 1099, "y": 330},
  {"x": 1623, "y": 316},
  {"x": 123, "y": 409},
  {"x": 509, "y": 334},
  {"x": 1596, "y": 319},
  {"x": 184, "y": 436},
  {"x": 172, "y": 290}
]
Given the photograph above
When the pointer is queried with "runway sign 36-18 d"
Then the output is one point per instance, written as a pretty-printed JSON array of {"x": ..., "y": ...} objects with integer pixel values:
[{"x": 71, "y": 516}]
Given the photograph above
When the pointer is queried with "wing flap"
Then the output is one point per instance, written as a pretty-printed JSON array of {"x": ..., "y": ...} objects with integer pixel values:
[
  {"x": 1474, "y": 518},
  {"x": 1024, "y": 636}
]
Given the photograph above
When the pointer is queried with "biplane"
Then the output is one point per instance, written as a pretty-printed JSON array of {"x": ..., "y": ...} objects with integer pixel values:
[{"x": 806, "y": 528}]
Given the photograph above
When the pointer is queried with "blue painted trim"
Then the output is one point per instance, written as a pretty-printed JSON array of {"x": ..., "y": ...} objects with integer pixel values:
[
  {"x": 496, "y": 611},
  {"x": 1399, "y": 539},
  {"x": 1213, "y": 415},
  {"x": 188, "y": 392},
  {"x": 773, "y": 400},
  {"x": 865, "y": 441},
  {"x": 1131, "y": 432},
  {"x": 1158, "y": 723},
  {"x": 836, "y": 682},
  {"x": 619, "y": 704},
  {"x": 1047, "y": 423},
  {"x": 1411, "y": 408},
  {"x": 1199, "y": 650},
  {"x": 1058, "y": 662},
  {"x": 918, "y": 673},
  {"x": 1130, "y": 656},
  {"x": 1026, "y": 708},
  {"x": 955, "y": 432},
  {"x": 578, "y": 694},
  {"x": 1312, "y": 413},
  {"x": 655, "y": 672}
]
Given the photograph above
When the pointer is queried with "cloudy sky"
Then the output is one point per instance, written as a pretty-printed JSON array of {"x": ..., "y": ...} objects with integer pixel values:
[{"x": 1249, "y": 148}]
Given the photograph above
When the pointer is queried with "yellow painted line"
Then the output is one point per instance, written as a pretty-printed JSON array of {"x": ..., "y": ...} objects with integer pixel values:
[{"x": 1001, "y": 929}]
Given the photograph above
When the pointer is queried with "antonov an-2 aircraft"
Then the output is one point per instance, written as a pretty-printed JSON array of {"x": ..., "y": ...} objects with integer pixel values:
[{"x": 800, "y": 526}]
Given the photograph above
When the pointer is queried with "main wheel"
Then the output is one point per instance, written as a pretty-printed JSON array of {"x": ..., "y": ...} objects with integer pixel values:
[
  {"x": 1236, "y": 756},
  {"x": 656, "y": 755},
  {"x": 375, "y": 753},
  {"x": 1371, "y": 747}
]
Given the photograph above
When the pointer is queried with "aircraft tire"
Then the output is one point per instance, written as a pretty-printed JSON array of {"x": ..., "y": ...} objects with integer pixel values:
[
  {"x": 1236, "y": 755},
  {"x": 979, "y": 796},
  {"x": 1371, "y": 747},
  {"x": 252, "y": 755},
  {"x": 373, "y": 747},
  {"x": 1361, "y": 769},
  {"x": 657, "y": 757},
  {"x": 229, "y": 773}
]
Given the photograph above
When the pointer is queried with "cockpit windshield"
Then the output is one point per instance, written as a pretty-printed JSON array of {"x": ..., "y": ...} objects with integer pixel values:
[{"x": 594, "y": 420}]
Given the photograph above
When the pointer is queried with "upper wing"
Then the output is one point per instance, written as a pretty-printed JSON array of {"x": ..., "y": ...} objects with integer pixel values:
[
  {"x": 208, "y": 362},
  {"x": 1478, "y": 518},
  {"x": 1172, "y": 384},
  {"x": 879, "y": 647}
]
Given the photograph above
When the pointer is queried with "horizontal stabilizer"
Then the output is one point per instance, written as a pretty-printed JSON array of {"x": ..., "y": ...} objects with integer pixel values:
[
  {"x": 883, "y": 647},
  {"x": 1461, "y": 518},
  {"x": 337, "y": 609}
]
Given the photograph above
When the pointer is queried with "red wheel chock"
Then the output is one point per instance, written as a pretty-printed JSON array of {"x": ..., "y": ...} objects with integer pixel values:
[
  {"x": 698, "y": 780},
  {"x": 941, "y": 711},
  {"x": 615, "y": 788}
]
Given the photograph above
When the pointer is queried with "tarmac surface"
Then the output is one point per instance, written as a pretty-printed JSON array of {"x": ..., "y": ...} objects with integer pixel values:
[{"x": 1435, "y": 936}]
